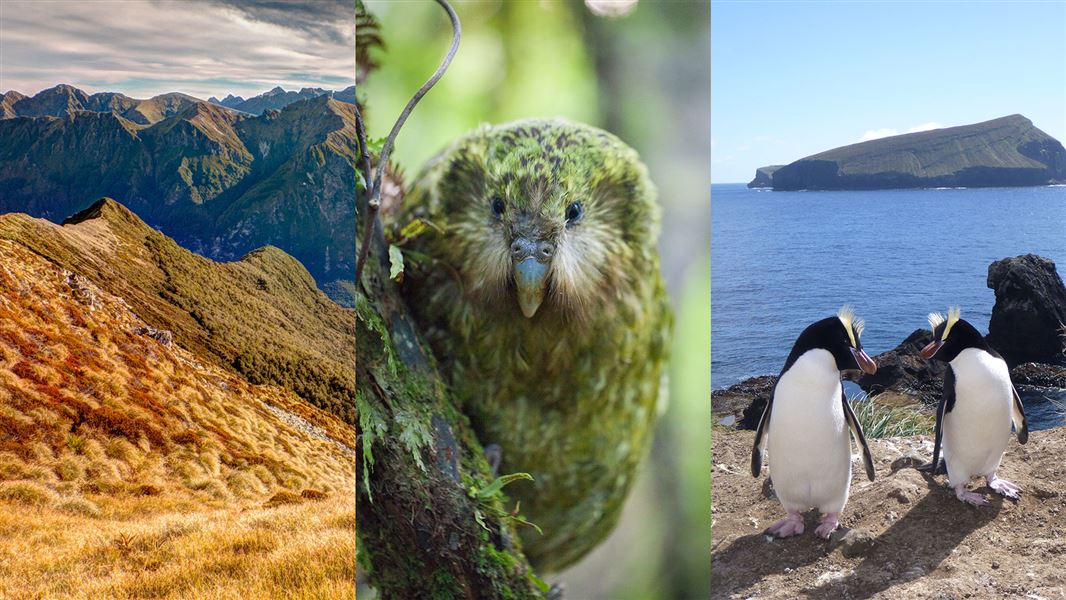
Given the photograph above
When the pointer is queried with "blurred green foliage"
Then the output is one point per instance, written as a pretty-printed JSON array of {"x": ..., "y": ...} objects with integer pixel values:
[{"x": 645, "y": 77}]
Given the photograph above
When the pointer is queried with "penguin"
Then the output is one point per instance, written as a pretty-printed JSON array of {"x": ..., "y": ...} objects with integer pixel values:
[
  {"x": 978, "y": 406},
  {"x": 805, "y": 425}
]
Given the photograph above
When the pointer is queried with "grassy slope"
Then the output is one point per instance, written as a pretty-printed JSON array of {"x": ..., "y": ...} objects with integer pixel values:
[
  {"x": 130, "y": 468},
  {"x": 262, "y": 316}
]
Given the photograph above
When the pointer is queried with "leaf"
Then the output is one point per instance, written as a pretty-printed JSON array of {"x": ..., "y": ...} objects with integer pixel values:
[
  {"x": 395, "y": 262},
  {"x": 497, "y": 485},
  {"x": 375, "y": 145},
  {"x": 522, "y": 521},
  {"x": 414, "y": 229}
]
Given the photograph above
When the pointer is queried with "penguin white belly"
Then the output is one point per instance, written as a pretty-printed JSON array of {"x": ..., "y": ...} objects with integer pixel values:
[
  {"x": 977, "y": 429},
  {"x": 808, "y": 442}
]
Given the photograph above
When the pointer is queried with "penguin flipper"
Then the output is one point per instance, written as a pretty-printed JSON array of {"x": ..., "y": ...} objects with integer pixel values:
[
  {"x": 947, "y": 402},
  {"x": 760, "y": 436},
  {"x": 1021, "y": 426},
  {"x": 856, "y": 430}
]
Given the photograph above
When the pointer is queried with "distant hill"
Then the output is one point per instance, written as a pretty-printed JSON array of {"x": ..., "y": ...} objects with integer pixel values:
[
  {"x": 1004, "y": 152},
  {"x": 261, "y": 316},
  {"x": 220, "y": 181}
]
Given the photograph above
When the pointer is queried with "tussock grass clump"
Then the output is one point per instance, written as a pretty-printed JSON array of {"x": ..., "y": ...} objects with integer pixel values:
[
  {"x": 888, "y": 421},
  {"x": 79, "y": 506},
  {"x": 26, "y": 493},
  {"x": 283, "y": 497}
]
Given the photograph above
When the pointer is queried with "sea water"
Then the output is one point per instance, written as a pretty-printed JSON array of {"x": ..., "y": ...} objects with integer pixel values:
[{"x": 782, "y": 260}]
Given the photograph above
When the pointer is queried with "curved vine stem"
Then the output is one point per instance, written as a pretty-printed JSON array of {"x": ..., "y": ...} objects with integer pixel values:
[{"x": 373, "y": 187}]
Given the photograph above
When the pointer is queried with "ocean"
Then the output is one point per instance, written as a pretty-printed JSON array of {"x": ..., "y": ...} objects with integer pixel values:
[{"x": 782, "y": 260}]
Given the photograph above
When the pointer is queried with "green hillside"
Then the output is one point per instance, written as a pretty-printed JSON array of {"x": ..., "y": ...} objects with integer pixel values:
[{"x": 1009, "y": 151}]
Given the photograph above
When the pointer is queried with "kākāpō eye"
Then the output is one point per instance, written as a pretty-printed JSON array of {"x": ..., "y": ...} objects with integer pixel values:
[
  {"x": 497, "y": 207},
  {"x": 574, "y": 212}
]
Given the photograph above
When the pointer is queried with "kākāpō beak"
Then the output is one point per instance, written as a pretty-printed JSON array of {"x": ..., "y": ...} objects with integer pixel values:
[
  {"x": 531, "y": 259},
  {"x": 864, "y": 361},
  {"x": 931, "y": 349}
]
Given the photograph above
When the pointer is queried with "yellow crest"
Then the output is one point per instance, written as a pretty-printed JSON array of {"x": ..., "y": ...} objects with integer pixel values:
[
  {"x": 935, "y": 319},
  {"x": 854, "y": 325}
]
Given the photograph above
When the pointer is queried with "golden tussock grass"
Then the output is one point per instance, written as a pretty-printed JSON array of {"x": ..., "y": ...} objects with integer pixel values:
[{"x": 130, "y": 469}]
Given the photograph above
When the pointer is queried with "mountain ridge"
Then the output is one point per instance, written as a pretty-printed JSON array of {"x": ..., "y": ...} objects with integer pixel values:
[
  {"x": 64, "y": 99},
  {"x": 220, "y": 182},
  {"x": 261, "y": 316}
]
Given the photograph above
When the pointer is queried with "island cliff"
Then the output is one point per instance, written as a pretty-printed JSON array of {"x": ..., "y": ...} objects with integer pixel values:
[{"x": 1005, "y": 152}]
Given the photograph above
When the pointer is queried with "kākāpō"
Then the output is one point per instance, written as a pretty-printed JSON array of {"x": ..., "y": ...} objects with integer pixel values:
[{"x": 543, "y": 301}]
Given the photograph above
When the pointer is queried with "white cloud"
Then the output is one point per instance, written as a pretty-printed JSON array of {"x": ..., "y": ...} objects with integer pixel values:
[
  {"x": 874, "y": 134},
  {"x": 925, "y": 127},
  {"x": 143, "y": 48}
]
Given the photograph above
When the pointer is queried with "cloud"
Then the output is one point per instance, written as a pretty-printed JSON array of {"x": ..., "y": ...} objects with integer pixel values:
[
  {"x": 925, "y": 127},
  {"x": 874, "y": 134},
  {"x": 207, "y": 47}
]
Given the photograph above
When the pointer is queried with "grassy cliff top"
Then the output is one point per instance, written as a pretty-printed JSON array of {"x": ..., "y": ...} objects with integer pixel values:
[{"x": 994, "y": 143}]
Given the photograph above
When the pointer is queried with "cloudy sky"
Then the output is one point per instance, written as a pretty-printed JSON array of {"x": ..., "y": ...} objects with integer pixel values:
[{"x": 200, "y": 47}]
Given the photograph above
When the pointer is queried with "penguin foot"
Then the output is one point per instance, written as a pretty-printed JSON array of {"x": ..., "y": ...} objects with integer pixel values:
[
  {"x": 970, "y": 497},
  {"x": 1003, "y": 487},
  {"x": 829, "y": 524},
  {"x": 791, "y": 525}
]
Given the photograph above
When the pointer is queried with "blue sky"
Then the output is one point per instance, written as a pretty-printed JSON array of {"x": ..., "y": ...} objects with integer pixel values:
[
  {"x": 789, "y": 79},
  {"x": 200, "y": 47}
]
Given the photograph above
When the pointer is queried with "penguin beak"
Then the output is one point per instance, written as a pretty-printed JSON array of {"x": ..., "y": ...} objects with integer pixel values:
[
  {"x": 864, "y": 361},
  {"x": 931, "y": 349}
]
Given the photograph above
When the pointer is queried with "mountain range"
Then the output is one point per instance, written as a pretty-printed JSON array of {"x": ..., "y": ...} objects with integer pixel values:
[
  {"x": 278, "y": 99},
  {"x": 220, "y": 181},
  {"x": 63, "y": 100}
]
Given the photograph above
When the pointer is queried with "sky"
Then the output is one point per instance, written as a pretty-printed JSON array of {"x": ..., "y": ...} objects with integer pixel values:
[
  {"x": 790, "y": 79},
  {"x": 200, "y": 47}
]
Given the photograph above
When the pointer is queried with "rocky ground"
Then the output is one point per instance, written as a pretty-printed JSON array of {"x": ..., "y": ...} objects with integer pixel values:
[{"x": 905, "y": 535}]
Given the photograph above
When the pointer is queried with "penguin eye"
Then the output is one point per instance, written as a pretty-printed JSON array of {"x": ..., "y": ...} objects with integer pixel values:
[
  {"x": 497, "y": 207},
  {"x": 574, "y": 212}
]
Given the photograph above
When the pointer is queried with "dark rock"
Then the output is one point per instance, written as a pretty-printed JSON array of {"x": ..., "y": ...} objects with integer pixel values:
[
  {"x": 1039, "y": 375},
  {"x": 904, "y": 371},
  {"x": 1003, "y": 152},
  {"x": 1027, "y": 323},
  {"x": 746, "y": 400},
  {"x": 764, "y": 177},
  {"x": 162, "y": 336}
]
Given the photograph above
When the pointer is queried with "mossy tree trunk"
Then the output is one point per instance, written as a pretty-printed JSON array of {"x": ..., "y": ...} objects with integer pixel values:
[{"x": 430, "y": 519}]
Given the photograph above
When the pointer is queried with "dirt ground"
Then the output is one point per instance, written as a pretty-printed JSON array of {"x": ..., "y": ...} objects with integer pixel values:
[{"x": 905, "y": 535}]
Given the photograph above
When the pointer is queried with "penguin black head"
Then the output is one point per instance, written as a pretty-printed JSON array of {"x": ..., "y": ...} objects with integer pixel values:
[
  {"x": 951, "y": 335},
  {"x": 839, "y": 336}
]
